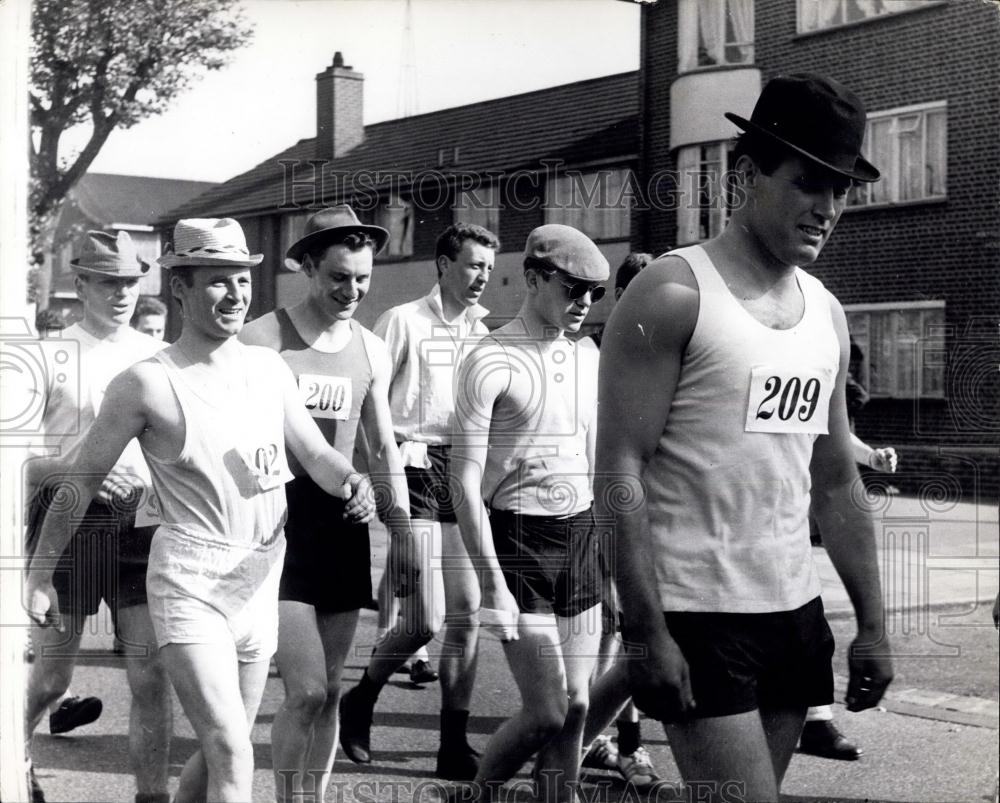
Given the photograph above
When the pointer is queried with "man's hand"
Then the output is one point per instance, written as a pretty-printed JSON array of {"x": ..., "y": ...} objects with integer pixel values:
[
  {"x": 499, "y": 613},
  {"x": 41, "y": 602},
  {"x": 883, "y": 460},
  {"x": 404, "y": 571},
  {"x": 658, "y": 679},
  {"x": 360, "y": 507},
  {"x": 120, "y": 486},
  {"x": 870, "y": 673}
]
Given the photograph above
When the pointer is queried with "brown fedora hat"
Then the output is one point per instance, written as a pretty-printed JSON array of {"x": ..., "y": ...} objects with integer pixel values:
[
  {"x": 816, "y": 117},
  {"x": 327, "y": 224},
  {"x": 109, "y": 254}
]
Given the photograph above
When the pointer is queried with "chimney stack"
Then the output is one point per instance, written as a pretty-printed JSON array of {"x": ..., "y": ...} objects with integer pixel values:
[{"x": 339, "y": 109}]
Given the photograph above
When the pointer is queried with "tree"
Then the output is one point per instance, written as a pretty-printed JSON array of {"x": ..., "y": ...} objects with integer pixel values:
[{"x": 107, "y": 64}]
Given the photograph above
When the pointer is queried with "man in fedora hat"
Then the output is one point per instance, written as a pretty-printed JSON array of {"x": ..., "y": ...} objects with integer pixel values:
[
  {"x": 104, "y": 554},
  {"x": 342, "y": 371},
  {"x": 213, "y": 418},
  {"x": 521, "y": 467},
  {"x": 421, "y": 400},
  {"x": 722, "y": 410}
]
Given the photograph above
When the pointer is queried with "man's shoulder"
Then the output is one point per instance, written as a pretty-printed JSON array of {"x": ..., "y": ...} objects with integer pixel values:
[
  {"x": 404, "y": 311},
  {"x": 262, "y": 331}
]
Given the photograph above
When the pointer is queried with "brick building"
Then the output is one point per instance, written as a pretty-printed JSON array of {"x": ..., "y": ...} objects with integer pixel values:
[{"x": 916, "y": 257}]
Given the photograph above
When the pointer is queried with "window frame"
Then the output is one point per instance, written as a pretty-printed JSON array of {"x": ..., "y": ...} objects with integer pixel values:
[
  {"x": 388, "y": 207},
  {"x": 931, "y": 342},
  {"x": 485, "y": 214},
  {"x": 918, "y": 5},
  {"x": 689, "y": 22},
  {"x": 604, "y": 223},
  {"x": 718, "y": 217}
]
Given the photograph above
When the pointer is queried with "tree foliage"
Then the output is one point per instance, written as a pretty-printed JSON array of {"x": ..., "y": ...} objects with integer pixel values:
[{"x": 107, "y": 64}]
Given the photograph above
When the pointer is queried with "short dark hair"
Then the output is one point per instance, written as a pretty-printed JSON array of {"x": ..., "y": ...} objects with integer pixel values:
[
  {"x": 185, "y": 273},
  {"x": 149, "y": 305},
  {"x": 630, "y": 268},
  {"x": 449, "y": 242},
  {"x": 354, "y": 240},
  {"x": 48, "y": 320},
  {"x": 766, "y": 153}
]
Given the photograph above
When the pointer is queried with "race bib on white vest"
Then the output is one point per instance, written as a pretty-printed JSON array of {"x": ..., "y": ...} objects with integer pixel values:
[{"x": 785, "y": 400}]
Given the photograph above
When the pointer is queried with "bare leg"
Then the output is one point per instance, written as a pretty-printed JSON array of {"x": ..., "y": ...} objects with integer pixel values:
[
  {"x": 151, "y": 715},
  {"x": 607, "y": 696},
  {"x": 52, "y": 670},
  {"x": 461, "y": 631},
  {"x": 220, "y": 698},
  {"x": 725, "y": 757},
  {"x": 782, "y": 729}
]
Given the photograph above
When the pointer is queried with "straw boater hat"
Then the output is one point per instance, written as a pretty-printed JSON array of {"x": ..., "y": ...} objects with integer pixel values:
[
  {"x": 107, "y": 254},
  {"x": 329, "y": 224},
  {"x": 209, "y": 241},
  {"x": 815, "y": 117}
]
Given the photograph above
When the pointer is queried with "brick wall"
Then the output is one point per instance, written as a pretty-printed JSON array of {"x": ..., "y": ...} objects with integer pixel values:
[{"x": 946, "y": 250}]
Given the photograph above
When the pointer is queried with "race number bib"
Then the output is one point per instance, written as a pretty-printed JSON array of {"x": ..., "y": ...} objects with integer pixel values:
[
  {"x": 326, "y": 396},
  {"x": 267, "y": 465},
  {"x": 789, "y": 401}
]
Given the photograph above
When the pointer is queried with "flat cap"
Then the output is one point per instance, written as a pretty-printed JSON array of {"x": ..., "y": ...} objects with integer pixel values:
[{"x": 569, "y": 250}]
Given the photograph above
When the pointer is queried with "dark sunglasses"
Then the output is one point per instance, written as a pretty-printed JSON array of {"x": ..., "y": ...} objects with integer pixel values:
[{"x": 577, "y": 290}]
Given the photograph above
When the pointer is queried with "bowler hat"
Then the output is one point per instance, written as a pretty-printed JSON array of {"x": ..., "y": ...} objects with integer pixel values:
[
  {"x": 209, "y": 241},
  {"x": 110, "y": 255},
  {"x": 816, "y": 117},
  {"x": 328, "y": 224},
  {"x": 569, "y": 250}
]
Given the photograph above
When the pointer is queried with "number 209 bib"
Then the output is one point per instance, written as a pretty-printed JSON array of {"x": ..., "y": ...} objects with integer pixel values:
[
  {"x": 326, "y": 396},
  {"x": 785, "y": 400}
]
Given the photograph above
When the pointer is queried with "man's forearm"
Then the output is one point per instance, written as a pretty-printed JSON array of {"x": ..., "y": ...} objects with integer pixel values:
[{"x": 635, "y": 575}]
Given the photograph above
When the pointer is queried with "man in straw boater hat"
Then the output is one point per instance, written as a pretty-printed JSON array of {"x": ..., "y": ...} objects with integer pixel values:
[
  {"x": 722, "y": 409},
  {"x": 213, "y": 418},
  {"x": 342, "y": 371},
  {"x": 103, "y": 553},
  {"x": 521, "y": 467}
]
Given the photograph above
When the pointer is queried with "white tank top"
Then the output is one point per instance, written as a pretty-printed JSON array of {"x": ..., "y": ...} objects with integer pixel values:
[
  {"x": 227, "y": 485},
  {"x": 728, "y": 485}
]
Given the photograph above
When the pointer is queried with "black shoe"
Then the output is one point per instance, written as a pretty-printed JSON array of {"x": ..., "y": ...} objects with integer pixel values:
[
  {"x": 36, "y": 790},
  {"x": 824, "y": 740},
  {"x": 74, "y": 712},
  {"x": 356, "y": 727},
  {"x": 457, "y": 764},
  {"x": 421, "y": 672}
]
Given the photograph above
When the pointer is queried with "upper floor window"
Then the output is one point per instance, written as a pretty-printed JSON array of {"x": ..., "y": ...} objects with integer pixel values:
[
  {"x": 909, "y": 147},
  {"x": 396, "y": 215},
  {"x": 705, "y": 198},
  {"x": 480, "y": 206},
  {"x": 597, "y": 202},
  {"x": 815, "y": 15},
  {"x": 902, "y": 348},
  {"x": 713, "y": 32}
]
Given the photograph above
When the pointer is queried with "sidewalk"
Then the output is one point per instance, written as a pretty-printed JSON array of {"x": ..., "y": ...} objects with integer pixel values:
[{"x": 931, "y": 554}]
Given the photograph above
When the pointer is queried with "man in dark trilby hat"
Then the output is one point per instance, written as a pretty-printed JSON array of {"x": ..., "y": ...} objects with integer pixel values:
[
  {"x": 722, "y": 411},
  {"x": 109, "y": 551}
]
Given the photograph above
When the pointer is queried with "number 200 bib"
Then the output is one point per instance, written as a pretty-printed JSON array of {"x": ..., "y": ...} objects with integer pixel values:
[
  {"x": 785, "y": 400},
  {"x": 326, "y": 396}
]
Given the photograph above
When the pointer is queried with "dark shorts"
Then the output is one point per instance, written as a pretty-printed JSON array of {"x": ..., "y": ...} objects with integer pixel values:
[
  {"x": 106, "y": 558},
  {"x": 327, "y": 560},
  {"x": 430, "y": 492},
  {"x": 551, "y": 565},
  {"x": 740, "y": 662}
]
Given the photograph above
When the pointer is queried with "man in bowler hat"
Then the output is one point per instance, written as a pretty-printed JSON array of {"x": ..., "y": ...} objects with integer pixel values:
[{"x": 722, "y": 410}]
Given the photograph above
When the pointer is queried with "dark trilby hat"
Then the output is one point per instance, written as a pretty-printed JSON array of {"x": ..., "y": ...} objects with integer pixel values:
[
  {"x": 328, "y": 224},
  {"x": 815, "y": 117},
  {"x": 108, "y": 254}
]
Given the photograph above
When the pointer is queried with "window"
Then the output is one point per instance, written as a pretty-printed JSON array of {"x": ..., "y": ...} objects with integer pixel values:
[
  {"x": 597, "y": 203},
  {"x": 480, "y": 206},
  {"x": 292, "y": 228},
  {"x": 714, "y": 32},
  {"x": 902, "y": 347},
  {"x": 396, "y": 215},
  {"x": 705, "y": 191},
  {"x": 815, "y": 15},
  {"x": 909, "y": 146}
]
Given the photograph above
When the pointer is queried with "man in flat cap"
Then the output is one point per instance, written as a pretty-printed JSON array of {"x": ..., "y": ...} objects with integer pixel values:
[
  {"x": 213, "y": 418},
  {"x": 108, "y": 551},
  {"x": 525, "y": 414},
  {"x": 722, "y": 406}
]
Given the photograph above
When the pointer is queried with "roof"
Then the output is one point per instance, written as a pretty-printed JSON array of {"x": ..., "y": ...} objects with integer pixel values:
[
  {"x": 578, "y": 122},
  {"x": 135, "y": 200}
]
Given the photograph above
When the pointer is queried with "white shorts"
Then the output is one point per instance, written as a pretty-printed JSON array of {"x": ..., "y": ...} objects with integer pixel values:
[{"x": 204, "y": 591}]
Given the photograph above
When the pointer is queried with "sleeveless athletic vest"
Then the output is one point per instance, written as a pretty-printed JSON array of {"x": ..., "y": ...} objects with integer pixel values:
[
  {"x": 332, "y": 386},
  {"x": 228, "y": 483},
  {"x": 728, "y": 485}
]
